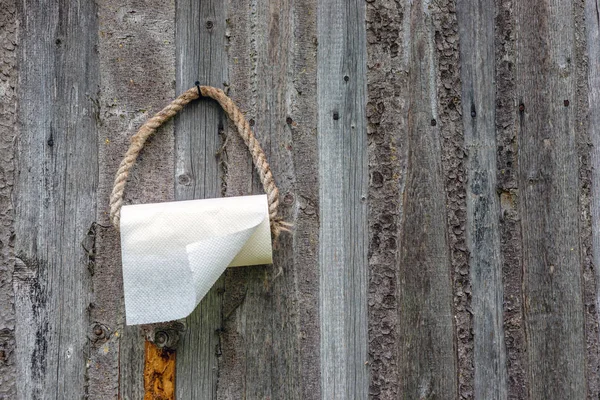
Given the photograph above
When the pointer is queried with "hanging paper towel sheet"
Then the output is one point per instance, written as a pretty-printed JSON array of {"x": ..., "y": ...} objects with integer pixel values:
[{"x": 174, "y": 252}]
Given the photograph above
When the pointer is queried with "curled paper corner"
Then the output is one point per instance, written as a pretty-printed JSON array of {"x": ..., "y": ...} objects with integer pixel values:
[{"x": 174, "y": 252}]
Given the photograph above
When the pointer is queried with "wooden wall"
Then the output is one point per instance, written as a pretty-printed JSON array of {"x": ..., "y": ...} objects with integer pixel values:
[{"x": 439, "y": 160}]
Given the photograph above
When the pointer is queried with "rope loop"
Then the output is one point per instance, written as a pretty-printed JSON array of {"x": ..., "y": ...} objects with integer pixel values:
[{"x": 243, "y": 128}]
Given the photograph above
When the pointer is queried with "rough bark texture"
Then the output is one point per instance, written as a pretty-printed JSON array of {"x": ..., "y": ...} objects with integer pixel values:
[
  {"x": 439, "y": 162},
  {"x": 388, "y": 61},
  {"x": 8, "y": 131}
]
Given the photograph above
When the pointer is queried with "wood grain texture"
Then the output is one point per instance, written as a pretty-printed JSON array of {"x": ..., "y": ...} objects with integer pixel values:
[
  {"x": 200, "y": 56},
  {"x": 136, "y": 62},
  {"x": 55, "y": 196},
  {"x": 476, "y": 34},
  {"x": 590, "y": 143},
  {"x": 509, "y": 222},
  {"x": 270, "y": 337},
  {"x": 592, "y": 7},
  {"x": 546, "y": 82},
  {"x": 428, "y": 361},
  {"x": 342, "y": 198},
  {"x": 585, "y": 200},
  {"x": 8, "y": 132}
]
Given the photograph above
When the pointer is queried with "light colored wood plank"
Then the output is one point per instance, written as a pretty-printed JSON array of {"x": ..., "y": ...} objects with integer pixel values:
[
  {"x": 548, "y": 181},
  {"x": 476, "y": 30},
  {"x": 342, "y": 199},
  {"x": 8, "y": 132},
  {"x": 55, "y": 196},
  {"x": 200, "y": 55},
  {"x": 136, "y": 61}
]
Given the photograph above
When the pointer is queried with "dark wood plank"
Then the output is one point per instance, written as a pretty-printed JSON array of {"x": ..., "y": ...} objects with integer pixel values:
[
  {"x": 342, "y": 198},
  {"x": 428, "y": 360},
  {"x": 55, "y": 195},
  {"x": 388, "y": 58},
  {"x": 8, "y": 132},
  {"x": 548, "y": 180},
  {"x": 476, "y": 33},
  {"x": 136, "y": 61},
  {"x": 200, "y": 55},
  {"x": 511, "y": 246},
  {"x": 444, "y": 34}
]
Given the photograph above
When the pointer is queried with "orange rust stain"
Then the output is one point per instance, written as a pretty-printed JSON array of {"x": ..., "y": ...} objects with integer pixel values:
[{"x": 159, "y": 373}]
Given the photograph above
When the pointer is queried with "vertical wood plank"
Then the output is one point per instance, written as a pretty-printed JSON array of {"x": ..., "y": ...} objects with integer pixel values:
[
  {"x": 55, "y": 195},
  {"x": 342, "y": 198},
  {"x": 428, "y": 364},
  {"x": 388, "y": 51},
  {"x": 591, "y": 143},
  {"x": 476, "y": 29},
  {"x": 200, "y": 55},
  {"x": 270, "y": 334},
  {"x": 8, "y": 132},
  {"x": 136, "y": 62},
  {"x": 548, "y": 178},
  {"x": 584, "y": 148},
  {"x": 511, "y": 246}
]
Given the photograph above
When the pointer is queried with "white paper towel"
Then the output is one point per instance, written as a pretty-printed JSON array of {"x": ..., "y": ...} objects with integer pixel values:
[{"x": 174, "y": 252}]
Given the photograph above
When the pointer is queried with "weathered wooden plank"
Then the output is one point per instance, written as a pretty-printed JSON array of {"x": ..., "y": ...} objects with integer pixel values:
[
  {"x": 8, "y": 131},
  {"x": 428, "y": 361},
  {"x": 342, "y": 198},
  {"x": 508, "y": 189},
  {"x": 548, "y": 180},
  {"x": 591, "y": 106},
  {"x": 476, "y": 33},
  {"x": 136, "y": 63},
  {"x": 200, "y": 55},
  {"x": 55, "y": 195},
  {"x": 271, "y": 330},
  {"x": 388, "y": 27},
  {"x": 449, "y": 116}
]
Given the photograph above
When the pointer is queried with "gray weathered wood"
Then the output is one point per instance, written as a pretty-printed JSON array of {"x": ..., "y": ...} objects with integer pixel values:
[
  {"x": 427, "y": 364},
  {"x": 548, "y": 180},
  {"x": 55, "y": 196},
  {"x": 136, "y": 63},
  {"x": 200, "y": 55},
  {"x": 270, "y": 338},
  {"x": 476, "y": 29},
  {"x": 510, "y": 220},
  {"x": 593, "y": 127},
  {"x": 481, "y": 277},
  {"x": 8, "y": 103},
  {"x": 342, "y": 198}
]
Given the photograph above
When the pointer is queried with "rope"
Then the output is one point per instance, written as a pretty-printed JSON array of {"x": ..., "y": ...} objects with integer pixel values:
[{"x": 150, "y": 126}]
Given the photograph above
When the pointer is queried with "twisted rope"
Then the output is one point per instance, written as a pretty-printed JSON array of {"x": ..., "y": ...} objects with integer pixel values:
[{"x": 150, "y": 126}]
